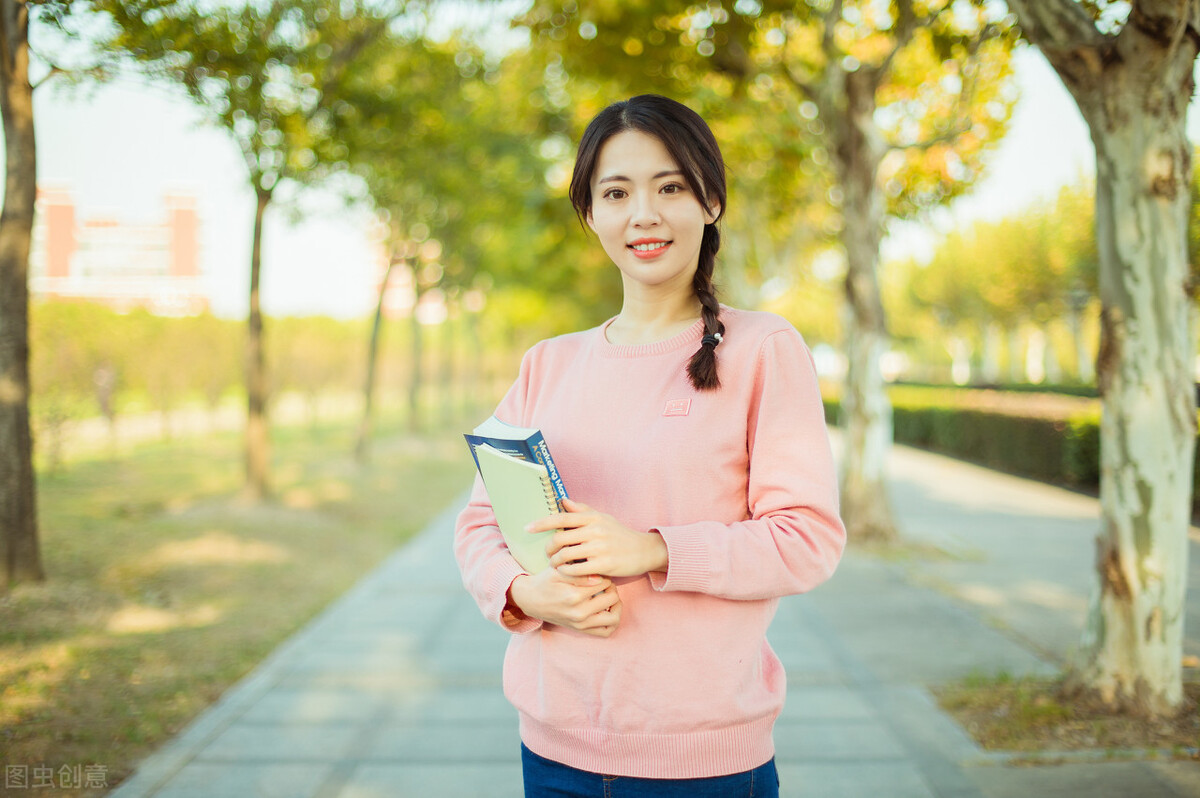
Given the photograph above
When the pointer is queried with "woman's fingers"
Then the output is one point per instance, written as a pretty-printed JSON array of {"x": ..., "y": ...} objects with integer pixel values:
[
  {"x": 607, "y": 619},
  {"x": 565, "y": 538}
]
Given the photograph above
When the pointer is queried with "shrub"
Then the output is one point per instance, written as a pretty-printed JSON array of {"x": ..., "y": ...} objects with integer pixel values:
[{"x": 1051, "y": 438}]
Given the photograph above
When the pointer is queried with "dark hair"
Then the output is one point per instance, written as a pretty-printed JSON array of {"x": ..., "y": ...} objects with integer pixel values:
[{"x": 692, "y": 145}]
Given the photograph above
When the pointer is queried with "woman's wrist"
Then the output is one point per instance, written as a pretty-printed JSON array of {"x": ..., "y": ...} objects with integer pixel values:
[
  {"x": 512, "y": 613},
  {"x": 658, "y": 555}
]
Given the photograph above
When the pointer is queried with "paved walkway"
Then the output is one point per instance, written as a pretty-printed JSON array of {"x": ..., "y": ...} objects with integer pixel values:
[{"x": 395, "y": 689}]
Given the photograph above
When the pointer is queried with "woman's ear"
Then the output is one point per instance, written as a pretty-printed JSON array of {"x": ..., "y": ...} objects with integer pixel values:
[
  {"x": 712, "y": 213},
  {"x": 590, "y": 221}
]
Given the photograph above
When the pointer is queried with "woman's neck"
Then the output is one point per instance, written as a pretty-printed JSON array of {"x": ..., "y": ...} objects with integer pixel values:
[{"x": 649, "y": 321}]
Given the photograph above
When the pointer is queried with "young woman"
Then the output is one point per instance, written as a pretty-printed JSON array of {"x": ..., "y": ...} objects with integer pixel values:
[{"x": 692, "y": 439}]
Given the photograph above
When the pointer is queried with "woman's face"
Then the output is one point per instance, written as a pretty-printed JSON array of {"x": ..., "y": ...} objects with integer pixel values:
[{"x": 647, "y": 218}]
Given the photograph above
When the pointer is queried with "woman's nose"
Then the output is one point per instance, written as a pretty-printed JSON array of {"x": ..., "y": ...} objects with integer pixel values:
[{"x": 645, "y": 210}]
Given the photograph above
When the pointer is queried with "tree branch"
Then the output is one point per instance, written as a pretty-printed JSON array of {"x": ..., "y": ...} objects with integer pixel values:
[
  {"x": 54, "y": 70},
  {"x": 905, "y": 28},
  {"x": 802, "y": 86},
  {"x": 1057, "y": 24},
  {"x": 1167, "y": 21},
  {"x": 933, "y": 141},
  {"x": 343, "y": 57},
  {"x": 828, "y": 47}
]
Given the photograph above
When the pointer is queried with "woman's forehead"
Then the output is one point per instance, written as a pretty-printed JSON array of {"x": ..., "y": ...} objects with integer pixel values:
[{"x": 631, "y": 154}]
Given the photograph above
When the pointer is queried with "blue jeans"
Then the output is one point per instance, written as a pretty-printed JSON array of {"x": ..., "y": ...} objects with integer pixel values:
[{"x": 545, "y": 778}]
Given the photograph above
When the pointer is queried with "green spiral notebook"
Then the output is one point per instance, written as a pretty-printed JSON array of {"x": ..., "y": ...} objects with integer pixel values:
[{"x": 521, "y": 492}]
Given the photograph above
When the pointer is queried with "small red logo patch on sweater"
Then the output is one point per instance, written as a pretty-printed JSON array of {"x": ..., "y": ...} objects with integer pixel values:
[{"x": 677, "y": 407}]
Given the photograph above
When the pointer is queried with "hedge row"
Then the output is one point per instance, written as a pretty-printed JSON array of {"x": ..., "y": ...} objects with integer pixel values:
[{"x": 1062, "y": 450}]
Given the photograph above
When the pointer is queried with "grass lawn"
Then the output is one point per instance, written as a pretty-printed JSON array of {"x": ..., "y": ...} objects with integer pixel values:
[
  {"x": 1033, "y": 715},
  {"x": 163, "y": 589}
]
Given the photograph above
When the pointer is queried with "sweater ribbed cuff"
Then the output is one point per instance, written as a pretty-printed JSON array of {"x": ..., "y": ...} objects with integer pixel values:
[
  {"x": 502, "y": 578},
  {"x": 688, "y": 566}
]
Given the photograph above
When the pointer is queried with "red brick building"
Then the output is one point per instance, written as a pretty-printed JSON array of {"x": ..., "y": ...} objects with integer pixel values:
[{"x": 123, "y": 265}]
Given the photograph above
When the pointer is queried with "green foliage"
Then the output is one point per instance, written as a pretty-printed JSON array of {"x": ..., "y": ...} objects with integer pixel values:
[
  {"x": 1042, "y": 436},
  {"x": 269, "y": 73},
  {"x": 152, "y": 360},
  {"x": 316, "y": 354},
  {"x": 1023, "y": 268},
  {"x": 166, "y": 364}
]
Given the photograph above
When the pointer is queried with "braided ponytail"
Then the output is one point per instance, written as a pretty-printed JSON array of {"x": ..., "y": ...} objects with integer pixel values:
[{"x": 702, "y": 368}]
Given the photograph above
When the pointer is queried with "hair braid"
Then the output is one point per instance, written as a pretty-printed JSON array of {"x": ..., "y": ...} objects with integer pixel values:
[{"x": 702, "y": 368}]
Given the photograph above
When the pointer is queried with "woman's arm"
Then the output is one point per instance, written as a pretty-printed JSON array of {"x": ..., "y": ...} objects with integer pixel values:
[{"x": 794, "y": 536}]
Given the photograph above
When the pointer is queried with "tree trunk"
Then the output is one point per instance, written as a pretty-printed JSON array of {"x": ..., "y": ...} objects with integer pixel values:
[
  {"x": 258, "y": 443},
  {"x": 1082, "y": 358},
  {"x": 414, "y": 383},
  {"x": 990, "y": 368},
  {"x": 1133, "y": 643},
  {"x": 1035, "y": 357},
  {"x": 362, "y": 449},
  {"x": 1016, "y": 358},
  {"x": 476, "y": 381},
  {"x": 867, "y": 413},
  {"x": 19, "y": 548},
  {"x": 1133, "y": 90},
  {"x": 449, "y": 401}
]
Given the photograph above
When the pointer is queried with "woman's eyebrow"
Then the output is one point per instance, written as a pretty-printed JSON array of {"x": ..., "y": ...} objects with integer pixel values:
[{"x": 660, "y": 175}]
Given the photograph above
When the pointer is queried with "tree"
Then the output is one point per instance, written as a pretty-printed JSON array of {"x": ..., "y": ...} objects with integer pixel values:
[
  {"x": 271, "y": 73},
  {"x": 19, "y": 549},
  {"x": 899, "y": 99},
  {"x": 1128, "y": 66},
  {"x": 1030, "y": 268},
  {"x": 455, "y": 160}
]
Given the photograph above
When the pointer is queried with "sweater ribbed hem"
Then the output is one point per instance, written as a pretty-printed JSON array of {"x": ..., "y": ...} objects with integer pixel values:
[{"x": 691, "y": 755}]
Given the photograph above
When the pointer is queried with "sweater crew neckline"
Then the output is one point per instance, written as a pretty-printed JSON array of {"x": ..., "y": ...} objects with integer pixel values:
[{"x": 691, "y": 335}]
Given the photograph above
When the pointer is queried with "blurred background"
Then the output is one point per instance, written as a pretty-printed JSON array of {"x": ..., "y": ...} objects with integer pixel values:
[{"x": 285, "y": 252}]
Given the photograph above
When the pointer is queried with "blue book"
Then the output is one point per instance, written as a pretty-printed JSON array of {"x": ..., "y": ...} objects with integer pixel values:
[{"x": 520, "y": 442}]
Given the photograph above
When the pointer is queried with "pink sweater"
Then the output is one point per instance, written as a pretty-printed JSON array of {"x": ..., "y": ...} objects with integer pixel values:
[{"x": 739, "y": 482}]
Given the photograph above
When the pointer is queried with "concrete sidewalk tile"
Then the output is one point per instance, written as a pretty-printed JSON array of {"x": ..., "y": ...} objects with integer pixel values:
[
  {"x": 462, "y": 659},
  {"x": 822, "y": 741},
  {"x": 410, "y": 664},
  {"x": 826, "y": 702},
  {"x": 854, "y": 780},
  {"x": 1093, "y": 780},
  {"x": 456, "y": 780},
  {"x": 243, "y": 742},
  {"x": 493, "y": 741},
  {"x": 1183, "y": 775},
  {"x": 462, "y": 704},
  {"x": 375, "y": 681},
  {"x": 210, "y": 780},
  {"x": 300, "y": 706},
  {"x": 915, "y": 635},
  {"x": 810, "y": 665}
]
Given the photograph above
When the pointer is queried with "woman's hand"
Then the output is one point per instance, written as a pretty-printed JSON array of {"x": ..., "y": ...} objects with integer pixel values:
[
  {"x": 591, "y": 542},
  {"x": 588, "y": 604}
]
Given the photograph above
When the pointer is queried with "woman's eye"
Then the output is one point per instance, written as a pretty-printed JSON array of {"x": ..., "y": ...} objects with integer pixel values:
[
  {"x": 672, "y": 188},
  {"x": 614, "y": 193}
]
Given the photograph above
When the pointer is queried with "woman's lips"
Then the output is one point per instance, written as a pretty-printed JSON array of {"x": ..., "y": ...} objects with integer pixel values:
[{"x": 648, "y": 249}]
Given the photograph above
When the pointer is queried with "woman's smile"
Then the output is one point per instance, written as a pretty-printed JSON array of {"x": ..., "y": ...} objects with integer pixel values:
[{"x": 648, "y": 248}]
